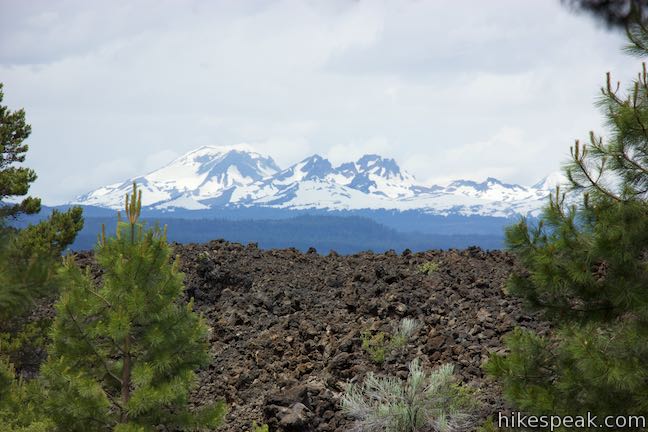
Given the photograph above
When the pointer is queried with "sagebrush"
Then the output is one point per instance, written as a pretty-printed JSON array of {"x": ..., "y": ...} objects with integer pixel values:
[{"x": 423, "y": 402}]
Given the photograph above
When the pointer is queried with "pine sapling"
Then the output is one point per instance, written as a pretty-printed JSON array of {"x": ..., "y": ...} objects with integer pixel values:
[{"x": 125, "y": 351}]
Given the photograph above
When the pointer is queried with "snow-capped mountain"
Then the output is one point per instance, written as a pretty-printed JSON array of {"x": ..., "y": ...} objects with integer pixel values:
[
  {"x": 197, "y": 180},
  {"x": 214, "y": 177},
  {"x": 551, "y": 181}
]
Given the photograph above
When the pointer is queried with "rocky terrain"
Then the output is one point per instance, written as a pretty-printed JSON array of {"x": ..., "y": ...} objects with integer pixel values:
[{"x": 287, "y": 326}]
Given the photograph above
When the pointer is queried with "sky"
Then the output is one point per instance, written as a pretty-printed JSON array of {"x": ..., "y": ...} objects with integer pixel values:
[{"x": 450, "y": 89}]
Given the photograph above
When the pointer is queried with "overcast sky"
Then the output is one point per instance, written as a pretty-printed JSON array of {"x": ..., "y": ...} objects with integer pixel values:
[{"x": 450, "y": 89}]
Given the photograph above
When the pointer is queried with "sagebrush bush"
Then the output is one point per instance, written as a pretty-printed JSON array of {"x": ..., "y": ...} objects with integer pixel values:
[
  {"x": 423, "y": 402},
  {"x": 407, "y": 327},
  {"x": 378, "y": 346}
]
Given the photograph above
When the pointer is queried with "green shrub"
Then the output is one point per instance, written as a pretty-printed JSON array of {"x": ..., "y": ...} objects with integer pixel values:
[
  {"x": 423, "y": 402},
  {"x": 262, "y": 428},
  {"x": 374, "y": 345},
  {"x": 429, "y": 267}
]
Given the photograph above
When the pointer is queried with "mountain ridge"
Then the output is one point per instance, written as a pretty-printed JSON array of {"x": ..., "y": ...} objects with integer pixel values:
[{"x": 237, "y": 176}]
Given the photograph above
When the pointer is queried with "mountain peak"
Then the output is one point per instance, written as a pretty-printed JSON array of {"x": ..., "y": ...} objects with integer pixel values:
[
  {"x": 370, "y": 160},
  {"x": 241, "y": 147},
  {"x": 380, "y": 166},
  {"x": 367, "y": 158},
  {"x": 462, "y": 182},
  {"x": 550, "y": 182},
  {"x": 316, "y": 167}
]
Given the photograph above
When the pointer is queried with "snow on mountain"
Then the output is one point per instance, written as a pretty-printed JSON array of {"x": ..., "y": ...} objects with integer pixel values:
[
  {"x": 309, "y": 174},
  {"x": 212, "y": 177},
  {"x": 380, "y": 176},
  {"x": 491, "y": 189},
  {"x": 370, "y": 182},
  {"x": 313, "y": 167},
  {"x": 549, "y": 183},
  {"x": 206, "y": 173}
]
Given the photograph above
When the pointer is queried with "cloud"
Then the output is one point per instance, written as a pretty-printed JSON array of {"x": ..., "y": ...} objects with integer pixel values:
[
  {"x": 353, "y": 150},
  {"x": 446, "y": 88},
  {"x": 498, "y": 156},
  {"x": 158, "y": 159}
]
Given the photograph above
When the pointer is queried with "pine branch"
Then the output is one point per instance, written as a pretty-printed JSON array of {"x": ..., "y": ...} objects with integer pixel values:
[
  {"x": 89, "y": 343},
  {"x": 594, "y": 183},
  {"x": 100, "y": 297}
]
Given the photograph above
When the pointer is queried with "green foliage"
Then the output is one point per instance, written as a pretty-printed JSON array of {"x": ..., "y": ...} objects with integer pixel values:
[
  {"x": 262, "y": 428},
  {"x": 488, "y": 426},
  {"x": 28, "y": 262},
  {"x": 374, "y": 345},
  {"x": 423, "y": 402},
  {"x": 25, "y": 345},
  {"x": 14, "y": 180},
  {"x": 429, "y": 267},
  {"x": 51, "y": 236},
  {"x": 28, "y": 256},
  {"x": 124, "y": 353},
  {"x": 582, "y": 368},
  {"x": 526, "y": 372},
  {"x": 20, "y": 403},
  {"x": 586, "y": 270},
  {"x": 29, "y": 259}
]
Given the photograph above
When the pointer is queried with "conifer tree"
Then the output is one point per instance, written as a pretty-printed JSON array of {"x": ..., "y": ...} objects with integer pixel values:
[
  {"x": 586, "y": 269},
  {"x": 14, "y": 181},
  {"x": 124, "y": 352},
  {"x": 28, "y": 257},
  {"x": 28, "y": 261}
]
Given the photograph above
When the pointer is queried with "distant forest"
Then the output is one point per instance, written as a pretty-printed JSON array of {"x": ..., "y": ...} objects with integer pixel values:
[{"x": 344, "y": 235}]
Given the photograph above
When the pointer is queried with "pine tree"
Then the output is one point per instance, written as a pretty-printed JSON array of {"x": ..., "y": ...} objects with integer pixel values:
[
  {"x": 586, "y": 270},
  {"x": 124, "y": 352},
  {"x": 14, "y": 181},
  {"x": 28, "y": 257},
  {"x": 28, "y": 261}
]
